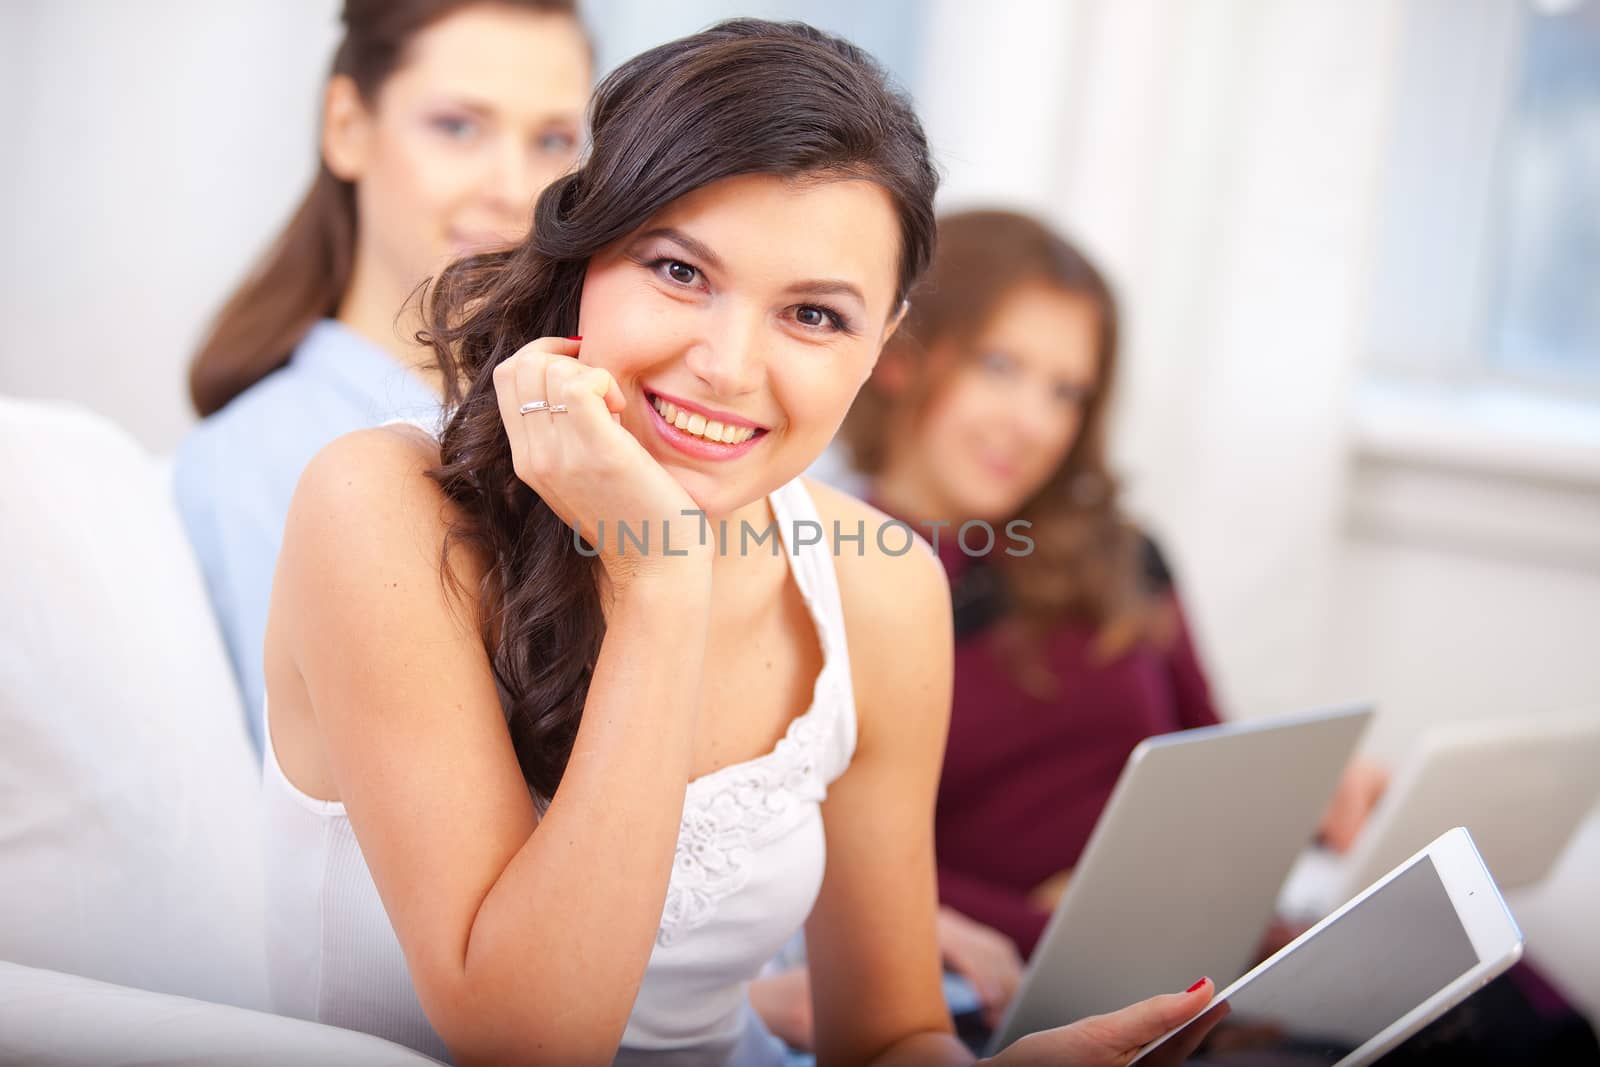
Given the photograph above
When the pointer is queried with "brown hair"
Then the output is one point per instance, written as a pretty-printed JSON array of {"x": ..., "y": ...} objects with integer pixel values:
[
  {"x": 744, "y": 97},
  {"x": 304, "y": 274},
  {"x": 1086, "y": 561}
]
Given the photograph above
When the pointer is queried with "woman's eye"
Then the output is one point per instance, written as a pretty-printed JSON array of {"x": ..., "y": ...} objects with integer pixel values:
[
  {"x": 680, "y": 272},
  {"x": 818, "y": 317},
  {"x": 458, "y": 129},
  {"x": 556, "y": 142},
  {"x": 996, "y": 363}
]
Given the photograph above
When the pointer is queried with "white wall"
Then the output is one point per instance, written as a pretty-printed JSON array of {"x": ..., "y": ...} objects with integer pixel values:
[
  {"x": 1442, "y": 633},
  {"x": 158, "y": 146}
]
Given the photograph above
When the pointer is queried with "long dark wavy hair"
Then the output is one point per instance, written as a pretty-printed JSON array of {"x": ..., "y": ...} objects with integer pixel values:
[
  {"x": 305, "y": 273},
  {"x": 744, "y": 97},
  {"x": 1089, "y": 562}
]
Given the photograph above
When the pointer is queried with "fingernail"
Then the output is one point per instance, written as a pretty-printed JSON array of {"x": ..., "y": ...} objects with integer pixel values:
[
  {"x": 1197, "y": 985},
  {"x": 576, "y": 337}
]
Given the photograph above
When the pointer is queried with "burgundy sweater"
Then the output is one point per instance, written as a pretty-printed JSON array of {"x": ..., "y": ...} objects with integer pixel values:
[{"x": 1024, "y": 779}]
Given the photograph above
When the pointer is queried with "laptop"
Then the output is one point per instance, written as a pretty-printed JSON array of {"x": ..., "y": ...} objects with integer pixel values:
[
  {"x": 1182, "y": 872},
  {"x": 1521, "y": 786}
]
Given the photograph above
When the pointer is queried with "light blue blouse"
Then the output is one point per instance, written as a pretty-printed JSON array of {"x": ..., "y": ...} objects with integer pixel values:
[{"x": 235, "y": 473}]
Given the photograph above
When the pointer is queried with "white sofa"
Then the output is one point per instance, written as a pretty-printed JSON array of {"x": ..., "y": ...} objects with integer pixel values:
[{"x": 131, "y": 922}]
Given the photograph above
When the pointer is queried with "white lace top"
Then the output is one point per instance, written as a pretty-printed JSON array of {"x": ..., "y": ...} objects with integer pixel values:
[{"x": 748, "y": 867}]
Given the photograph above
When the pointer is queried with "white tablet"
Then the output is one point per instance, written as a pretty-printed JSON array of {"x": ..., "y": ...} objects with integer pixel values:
[{"x": 1402, "y": 953}]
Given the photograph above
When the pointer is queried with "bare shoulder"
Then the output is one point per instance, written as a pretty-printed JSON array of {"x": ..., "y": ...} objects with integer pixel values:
[
  {"x": 366, "y": 516},
  {"x": 888, "y": 574},
  {"x": 896, "y": 601},
  {"x": 383, "y": 468}
]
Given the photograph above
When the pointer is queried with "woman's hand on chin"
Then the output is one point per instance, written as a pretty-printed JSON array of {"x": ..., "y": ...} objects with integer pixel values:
[{"x": 592, "y": 472}]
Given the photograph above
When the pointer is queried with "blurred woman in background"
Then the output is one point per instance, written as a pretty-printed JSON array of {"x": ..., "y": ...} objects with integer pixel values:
[
  {"x": 992, "y": 404},
  {"x": 441, "y": 122}
]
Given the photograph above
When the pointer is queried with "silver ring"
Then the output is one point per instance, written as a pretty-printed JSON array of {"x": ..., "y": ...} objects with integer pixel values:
[{"x": 541, "y": 405}]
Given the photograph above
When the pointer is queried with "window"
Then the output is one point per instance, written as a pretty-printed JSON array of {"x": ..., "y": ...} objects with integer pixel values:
[
  {"x": 1488, "y": 256},
  {"x": 1546, "y": 207},
  {"x": 1478, "y": 425}
]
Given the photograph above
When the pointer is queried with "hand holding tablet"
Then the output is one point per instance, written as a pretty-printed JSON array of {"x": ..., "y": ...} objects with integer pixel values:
[{"x": 1419, "y": 941}]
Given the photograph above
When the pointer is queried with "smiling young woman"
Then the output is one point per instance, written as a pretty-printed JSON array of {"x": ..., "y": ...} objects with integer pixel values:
[{"x": 529, "y": 804}]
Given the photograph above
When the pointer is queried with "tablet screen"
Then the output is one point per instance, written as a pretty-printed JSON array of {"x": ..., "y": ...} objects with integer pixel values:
[{"x": 1336, "y": 991}]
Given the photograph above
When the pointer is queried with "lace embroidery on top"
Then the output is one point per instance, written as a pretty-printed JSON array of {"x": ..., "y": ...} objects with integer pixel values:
[{"x": 731, "y": 812}]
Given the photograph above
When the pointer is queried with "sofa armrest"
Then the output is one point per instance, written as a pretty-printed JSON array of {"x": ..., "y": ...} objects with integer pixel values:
[{"x": 51, "y": 1019}]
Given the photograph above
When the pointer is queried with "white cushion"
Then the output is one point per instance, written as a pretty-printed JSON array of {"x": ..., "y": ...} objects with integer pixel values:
[
  {"x": 129, "y": 794},
  {"x": 48, "y": 1019}
]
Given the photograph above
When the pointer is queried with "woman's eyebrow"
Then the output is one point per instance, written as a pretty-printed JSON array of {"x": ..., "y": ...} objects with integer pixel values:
[
  {"x": 480, "y": 108},
  {"x": 826, "y": 287},
  {"x": 697, "y": 249}
]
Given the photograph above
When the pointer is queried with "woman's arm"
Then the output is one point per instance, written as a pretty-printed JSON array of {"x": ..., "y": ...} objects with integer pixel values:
[
  {"x": 871, "y": 938},
  {"x": 523, "y": 946}
]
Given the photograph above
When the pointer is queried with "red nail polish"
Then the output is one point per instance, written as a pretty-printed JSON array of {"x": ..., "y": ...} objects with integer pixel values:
[
  {"x": 576, "y": 337},
  {"x": 1197, "y": 985}
]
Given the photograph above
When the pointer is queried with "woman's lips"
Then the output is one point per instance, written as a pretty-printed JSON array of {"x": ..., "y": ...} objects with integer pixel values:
[
  {"x": 1000, "y": 469},
  {"x": 727, "y": 418},
  {"x": 695, "y": 445}
]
